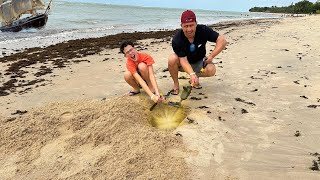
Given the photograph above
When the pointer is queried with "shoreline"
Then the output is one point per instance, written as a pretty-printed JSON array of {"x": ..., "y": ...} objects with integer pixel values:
[{"x": 44, "y": 42}]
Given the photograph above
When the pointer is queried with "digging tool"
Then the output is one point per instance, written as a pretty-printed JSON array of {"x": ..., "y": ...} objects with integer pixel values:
[
  {"x": 184, "y": 95},
  {"x": 203, "y": 69},
  {"x": 154, "y": 105}
]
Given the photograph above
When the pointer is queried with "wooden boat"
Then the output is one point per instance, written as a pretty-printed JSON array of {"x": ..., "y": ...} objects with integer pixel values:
[{"x": 11, "y": 11}]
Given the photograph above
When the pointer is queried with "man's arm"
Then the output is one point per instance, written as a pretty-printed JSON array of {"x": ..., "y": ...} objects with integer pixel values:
[
  {"x": 188, "y": 69},
  {"x": 220, "y": 45},
  {"x": 185, "y": 65}
]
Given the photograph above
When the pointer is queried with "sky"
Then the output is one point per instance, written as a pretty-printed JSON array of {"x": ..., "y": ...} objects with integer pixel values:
[{"x": 221, "y": 5}]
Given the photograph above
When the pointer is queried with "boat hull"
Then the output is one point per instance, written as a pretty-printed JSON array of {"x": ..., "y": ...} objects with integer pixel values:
[{"x": 37, "y": 22}]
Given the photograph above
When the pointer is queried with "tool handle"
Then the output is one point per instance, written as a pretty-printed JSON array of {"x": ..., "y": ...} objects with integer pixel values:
[{"x": 153, "y": 106}]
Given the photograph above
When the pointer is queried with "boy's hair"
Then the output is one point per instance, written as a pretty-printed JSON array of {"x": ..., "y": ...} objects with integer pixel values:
[{"x": 125, "y": 44}]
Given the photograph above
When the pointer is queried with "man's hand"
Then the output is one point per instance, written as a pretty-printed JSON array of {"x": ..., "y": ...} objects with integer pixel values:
[
  {"x": 208, "y": 60},
  {"x": 194, "y": 80}
]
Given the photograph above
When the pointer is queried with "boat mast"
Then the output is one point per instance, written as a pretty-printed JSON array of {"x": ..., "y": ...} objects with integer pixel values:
[{"x": 48, "y": 8}]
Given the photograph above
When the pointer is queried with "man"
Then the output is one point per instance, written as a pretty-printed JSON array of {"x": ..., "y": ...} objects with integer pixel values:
[
  {"x": 140, "y": 72},
  {"x": 189, "y": 46}
]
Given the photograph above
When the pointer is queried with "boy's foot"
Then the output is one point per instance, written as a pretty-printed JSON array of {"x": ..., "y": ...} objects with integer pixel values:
[{"x": 132, "y": 93}]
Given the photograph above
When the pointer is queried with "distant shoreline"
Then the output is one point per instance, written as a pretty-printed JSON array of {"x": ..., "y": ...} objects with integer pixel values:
[{"x": 44, "y": 43}]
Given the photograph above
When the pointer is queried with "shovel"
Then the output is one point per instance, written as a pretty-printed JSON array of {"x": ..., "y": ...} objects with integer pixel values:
[{"x": 184, "y": 95}]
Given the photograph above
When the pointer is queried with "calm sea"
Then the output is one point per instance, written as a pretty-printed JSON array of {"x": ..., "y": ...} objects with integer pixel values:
[{"x": 73, "y": 20}]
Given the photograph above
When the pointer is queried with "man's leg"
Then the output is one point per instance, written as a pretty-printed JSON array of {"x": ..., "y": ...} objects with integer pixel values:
[
  {"x": 210, "y": 70},
  {"x": 130, "y": 80},
  {"x": 173, "y": 66},
  {"x": 143, "y": 69}
]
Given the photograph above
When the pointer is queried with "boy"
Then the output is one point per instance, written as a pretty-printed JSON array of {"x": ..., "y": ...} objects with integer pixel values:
[{"x": 140, "y": 72}]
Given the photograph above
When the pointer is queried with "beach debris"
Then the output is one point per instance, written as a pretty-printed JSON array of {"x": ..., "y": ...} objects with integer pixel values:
[
  {"x": 203, "y": 107},
  {"x": 254, "y": 90},
  {"x": 10, "y": 119},
  {"x": 297, "y": 134},
  {"x": 243, "y": 111},
  {"x": 241, "y": 100},
  {"x": 304, "y": 97},
  {"x": 252, "y": 77},
  {"x": 297, "y": 82},
  {"x": 182, "y": 77},
  {"x": 178, "y": 134},
  {"x": 195, "y": 98},
  {"x": 165, "y": 70},
  {"x": 220, "y": 119},
  {"x": 43, "y": 71},
  {"x": 313, "y": 106},
  {"x": 315, "y": 166},
  {"x": 191, "y": 121},
  {"x": 315, "y": 154},
  {"x": 19, "y": 112}
]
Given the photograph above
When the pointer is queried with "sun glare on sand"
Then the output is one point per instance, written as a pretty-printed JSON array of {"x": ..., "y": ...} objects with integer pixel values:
[{"x": 167, "y": 117}]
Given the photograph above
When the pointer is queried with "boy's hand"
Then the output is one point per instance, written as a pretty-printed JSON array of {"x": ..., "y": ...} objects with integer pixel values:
[
  {"x": 162, "y": 98},
  {"x": 157, "y": 98},
  {"x": 154, "y": 98}
]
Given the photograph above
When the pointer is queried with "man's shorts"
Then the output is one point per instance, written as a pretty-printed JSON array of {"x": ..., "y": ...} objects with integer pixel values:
[{"x": 196, "y": 66}]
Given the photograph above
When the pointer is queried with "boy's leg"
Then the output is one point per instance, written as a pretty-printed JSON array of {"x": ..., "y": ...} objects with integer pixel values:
[
  {"x": 173, "y": 67},
  {"x": 143, "y": 69},
  {"x": 131, "y": 81}
]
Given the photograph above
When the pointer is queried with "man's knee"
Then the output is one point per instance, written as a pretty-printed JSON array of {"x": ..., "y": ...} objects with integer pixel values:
[
  {"x": 211, "y": 70},
  {"x": 173, "y": 60}
]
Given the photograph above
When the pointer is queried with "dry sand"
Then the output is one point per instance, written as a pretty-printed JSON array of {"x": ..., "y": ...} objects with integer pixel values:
[{"x": 258, "y": 118}]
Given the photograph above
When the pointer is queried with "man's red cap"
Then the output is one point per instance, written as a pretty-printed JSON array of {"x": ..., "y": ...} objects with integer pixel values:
[{"x": 188, "y": 16}]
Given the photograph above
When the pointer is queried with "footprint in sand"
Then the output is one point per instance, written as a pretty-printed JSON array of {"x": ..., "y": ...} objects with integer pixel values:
[
  {"x": 66, "y": 115},
  {"x": 65, "y": 128}
]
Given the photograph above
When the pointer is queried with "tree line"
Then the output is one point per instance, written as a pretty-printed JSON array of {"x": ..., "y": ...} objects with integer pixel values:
[{"x": 302, "y": 7}]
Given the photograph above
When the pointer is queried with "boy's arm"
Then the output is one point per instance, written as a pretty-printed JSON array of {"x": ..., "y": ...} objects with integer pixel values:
[
  {"x": 142, "y": 83},
  {"x": 153, "y": 80}
]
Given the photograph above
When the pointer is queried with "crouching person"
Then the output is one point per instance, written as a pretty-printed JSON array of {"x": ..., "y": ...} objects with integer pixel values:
[{"x": 140, "y": 72}]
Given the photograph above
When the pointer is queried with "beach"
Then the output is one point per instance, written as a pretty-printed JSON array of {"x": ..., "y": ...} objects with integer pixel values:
[{"x": 66, "y": 113}]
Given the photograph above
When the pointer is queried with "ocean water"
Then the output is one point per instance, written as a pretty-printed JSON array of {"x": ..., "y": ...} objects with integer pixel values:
[{"x": 73, "y": 20}]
